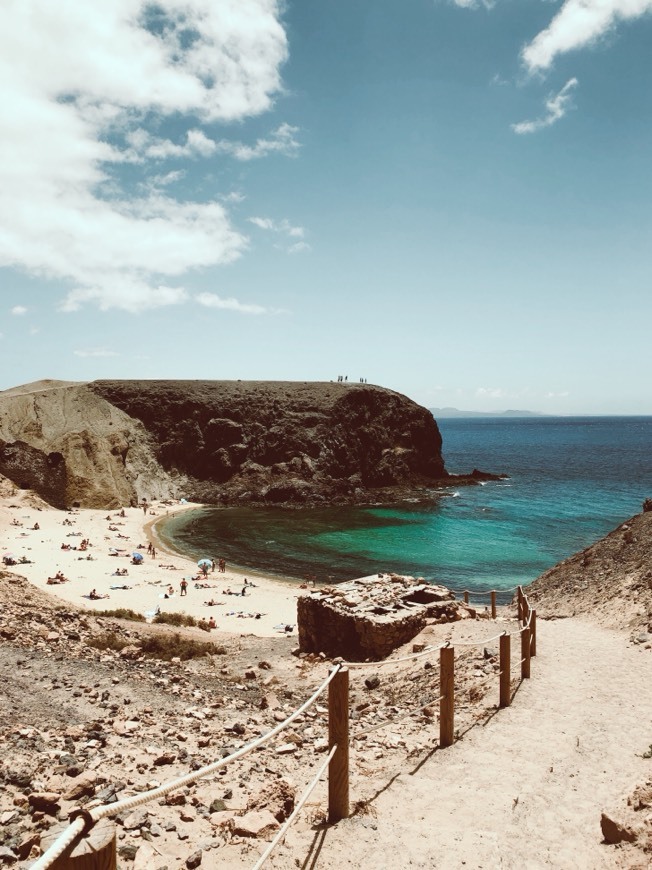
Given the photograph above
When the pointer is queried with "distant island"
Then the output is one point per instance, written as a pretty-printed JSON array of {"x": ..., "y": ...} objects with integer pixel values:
[{"x": 443, "y": 413}]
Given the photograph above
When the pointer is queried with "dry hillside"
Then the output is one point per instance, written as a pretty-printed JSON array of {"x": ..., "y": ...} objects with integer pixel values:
[{"x": 611, "y": 580}]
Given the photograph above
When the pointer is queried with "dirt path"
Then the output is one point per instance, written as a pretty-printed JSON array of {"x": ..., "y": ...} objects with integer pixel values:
[{"x": 526, "y": 789}]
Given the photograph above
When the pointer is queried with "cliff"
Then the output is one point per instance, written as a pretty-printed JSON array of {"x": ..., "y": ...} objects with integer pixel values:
[{"x": 106, "y": 443}]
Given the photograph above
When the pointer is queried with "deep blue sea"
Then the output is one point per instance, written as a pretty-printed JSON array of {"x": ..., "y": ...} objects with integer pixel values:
[{"x": 571, "y": 480}]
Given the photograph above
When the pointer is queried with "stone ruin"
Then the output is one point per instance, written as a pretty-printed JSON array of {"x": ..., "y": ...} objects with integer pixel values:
[{"x": 366, "y": 619}]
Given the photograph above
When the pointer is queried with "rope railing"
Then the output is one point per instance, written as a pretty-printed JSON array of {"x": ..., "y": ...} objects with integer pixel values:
[
  {"x": 337, "y": 760},
  {"x": 395, "y": 720},
  {"x": 480, "y": 592},
  {"x": 482, "y": 642},
  {"x": 408, "y": 658},
  {"x": 87, "y": 818},
  {"x": 467, "y": 594},
  {"x": 295, "y": 812}
]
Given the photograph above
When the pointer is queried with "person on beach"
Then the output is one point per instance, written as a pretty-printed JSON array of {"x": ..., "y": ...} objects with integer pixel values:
[
  {"x": 212, "y": 623},
  {"x": 184, "y": 586}
]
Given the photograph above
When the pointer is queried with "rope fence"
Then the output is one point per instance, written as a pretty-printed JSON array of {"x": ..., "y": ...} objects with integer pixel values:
[{"x": 61, "y": 853}]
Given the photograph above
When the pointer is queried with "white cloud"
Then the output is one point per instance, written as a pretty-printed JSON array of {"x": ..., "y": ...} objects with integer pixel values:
[
  {"x": 143, "y": 146},
  {"x": 284, "y": 228},
  {"x": 579, "y": 23},
  {"x": 263, "y": 223},
  {"x": 298, "y": 248},
  {"x": 556, "y": 107},
  {"x": 95, "y": 352},
  {"x": 211, "y": 300},
  {"x": 18, "y": 310},
  {"x": 155, "y": 182},
  {"x": 235, "y": 196},
  {"x": 474, "y": 4},
  {"x": 74, "y": 79},
  {"x": 281, "y": 141}
]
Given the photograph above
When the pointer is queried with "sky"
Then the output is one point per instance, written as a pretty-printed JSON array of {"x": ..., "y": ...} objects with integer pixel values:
[{"x": 449, "y": 198}]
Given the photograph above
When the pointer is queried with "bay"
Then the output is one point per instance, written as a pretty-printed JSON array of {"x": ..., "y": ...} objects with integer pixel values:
[{"x": 571, "y": 480}]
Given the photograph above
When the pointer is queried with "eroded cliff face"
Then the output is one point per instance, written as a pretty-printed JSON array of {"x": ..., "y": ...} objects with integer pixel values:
[
  {"x": 109, "y": 442},
  {"x": 283, "y": 442},
  {"x": 74, "y": 448}
]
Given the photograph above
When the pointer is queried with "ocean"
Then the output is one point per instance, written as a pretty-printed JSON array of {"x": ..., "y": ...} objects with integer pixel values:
[{"x": 571, "y": 480}]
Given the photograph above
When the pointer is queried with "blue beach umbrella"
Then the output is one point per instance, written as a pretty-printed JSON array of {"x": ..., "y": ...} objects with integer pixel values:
[
  {"x": 138, "y": 557},
  {"x": 207, "y": 562}
]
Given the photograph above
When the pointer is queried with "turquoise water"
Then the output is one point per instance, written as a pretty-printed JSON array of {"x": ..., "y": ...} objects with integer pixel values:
[{"x": 571, "y": 480}]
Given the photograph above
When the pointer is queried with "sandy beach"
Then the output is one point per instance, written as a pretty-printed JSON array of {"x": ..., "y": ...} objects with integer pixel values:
[{"x": 55, "y": 546}]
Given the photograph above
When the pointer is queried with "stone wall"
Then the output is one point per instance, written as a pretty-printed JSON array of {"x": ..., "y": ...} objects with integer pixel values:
[{"x": 368, "y": 618}]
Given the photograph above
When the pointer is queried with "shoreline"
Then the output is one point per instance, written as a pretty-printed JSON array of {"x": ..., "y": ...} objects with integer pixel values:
[
  {"x": 152, "y": 530},
  {"x": 55, "y": 547}
]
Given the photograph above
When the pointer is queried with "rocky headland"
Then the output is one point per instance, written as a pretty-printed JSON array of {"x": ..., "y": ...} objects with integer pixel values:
[{"x": 110, "y": 443}]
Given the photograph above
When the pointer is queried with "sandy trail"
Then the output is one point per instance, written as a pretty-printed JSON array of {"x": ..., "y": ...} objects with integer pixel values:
[{"x": 526, "y": 789}]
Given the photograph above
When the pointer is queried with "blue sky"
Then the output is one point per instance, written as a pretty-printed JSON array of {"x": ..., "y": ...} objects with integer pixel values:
[{"x": 447, "y": 197}]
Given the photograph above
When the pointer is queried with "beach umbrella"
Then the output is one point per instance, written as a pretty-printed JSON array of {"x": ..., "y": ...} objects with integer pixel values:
[
  {"x": 205, "y": 562},
  {"x": 138, "y": 556},
  {"x": 8, "y": 556}
]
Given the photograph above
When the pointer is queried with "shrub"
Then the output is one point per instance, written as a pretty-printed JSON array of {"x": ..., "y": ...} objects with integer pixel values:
[
  {"x": 164, "y": 646},
  {"x": 176, "y": 619},
  {"x": 174, "y": 646},
  {"x": 123, "y": 613},
  {"x": 108, "y": 640}
]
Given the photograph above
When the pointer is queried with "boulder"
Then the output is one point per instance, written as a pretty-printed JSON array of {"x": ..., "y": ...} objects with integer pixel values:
[
  {"x": 257, "y": 823},
  {"x": 615, "y": 832}
]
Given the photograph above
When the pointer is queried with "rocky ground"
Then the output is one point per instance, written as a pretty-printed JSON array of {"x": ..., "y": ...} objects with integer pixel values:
[
  {"x": 87, "y": 718},
  {"x": 611, "y": 580}
]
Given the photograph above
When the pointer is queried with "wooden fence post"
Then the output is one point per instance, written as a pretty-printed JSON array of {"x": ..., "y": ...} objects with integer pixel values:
[
  {"x": 505, "y": 672},
  {"x": 93, "y": 850},
  {"x": 493, "y": 603},
  {"x": 519, "y": 602},
  {"x": 533, "y": 629},
  {"x": 525, "y": 654},
  {"x": 447, "y": 699},
  {"x": 338, "y": 734},
  {"x": 466, "y": 596}
]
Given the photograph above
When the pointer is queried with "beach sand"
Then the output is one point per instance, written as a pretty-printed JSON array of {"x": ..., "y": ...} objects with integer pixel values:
[{"x": 147, "y": 582}]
